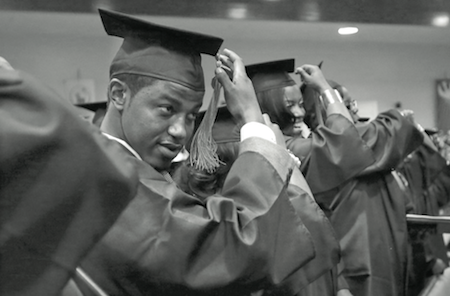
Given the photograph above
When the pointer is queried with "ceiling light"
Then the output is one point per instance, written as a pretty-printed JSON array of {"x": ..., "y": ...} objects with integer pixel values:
[
  {"x": 441, "y": 20},
  {"x": 237, "y": 12},
  {"x": 348, "y": 30}
]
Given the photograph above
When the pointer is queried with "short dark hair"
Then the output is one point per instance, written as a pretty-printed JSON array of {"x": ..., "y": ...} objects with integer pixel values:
[
  {"x": 272, "y": 102},
  {"x": 136, "y": 82},
  {"x": 202, "y": 183}
]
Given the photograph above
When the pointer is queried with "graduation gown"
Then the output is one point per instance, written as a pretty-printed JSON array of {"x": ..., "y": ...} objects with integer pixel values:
[
  {"x": 368, "y": 210},
  {"x": 170, "y": 243},
  {"x": 62, "y": 185},
  {"x": 333, "y": 154},
  {"x": 428, "y": 176},
  {"x": 428, "y": 183},
  {"x": 305, "y": 280},
  {"x": 326, "y": 245}
]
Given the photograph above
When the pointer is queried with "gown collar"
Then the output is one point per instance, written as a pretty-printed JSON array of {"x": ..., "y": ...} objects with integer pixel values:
[
  {"x": 124, "y": 144},
  {"x": 165, "y": 174}
]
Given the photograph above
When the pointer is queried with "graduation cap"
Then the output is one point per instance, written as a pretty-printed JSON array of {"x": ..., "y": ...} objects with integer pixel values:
[
  {"x": 93, "y": 106},
  {"x": 264, "y": 76},
  {"x": 158, "y": 51},
  {"x": 363, "y": 119},
  {"x": 271, "y": 75},
  {"x": 98, "y": 109}
]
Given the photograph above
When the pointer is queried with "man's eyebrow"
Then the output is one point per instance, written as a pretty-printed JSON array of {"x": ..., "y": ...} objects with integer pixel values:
[
  {"x": 171, "y": 99},
  {"x": 179, "y": 102}
]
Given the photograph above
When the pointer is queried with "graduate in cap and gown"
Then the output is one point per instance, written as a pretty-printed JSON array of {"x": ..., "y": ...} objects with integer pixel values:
[
  {"x": 427, "y": 181},
  {"x": 332, "y": 151},
  {"x": 368, "y": 211},
  {"x": 202, "y": 182},
  {"x": 348, "y": 167},
  {"x": 323, "y": 151},
  {"x": 168, "y": 242},
  {"x": 62, "y": 185}
]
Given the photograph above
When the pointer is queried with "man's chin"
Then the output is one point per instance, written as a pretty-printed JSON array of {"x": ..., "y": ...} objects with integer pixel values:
[{"x": 159, "y": 163}]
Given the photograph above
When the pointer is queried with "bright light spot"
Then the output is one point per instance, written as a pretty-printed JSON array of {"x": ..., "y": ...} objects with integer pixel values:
[
  {"x": 348, "y": 30},
  {"x": 238, "y": 12},
  {"x": 441, "y": 20}
]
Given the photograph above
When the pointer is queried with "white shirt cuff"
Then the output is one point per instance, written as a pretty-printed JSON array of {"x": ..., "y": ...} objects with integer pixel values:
[{"x": 257, "y": 129}]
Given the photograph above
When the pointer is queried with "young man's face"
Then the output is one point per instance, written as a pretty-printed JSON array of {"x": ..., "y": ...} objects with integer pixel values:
[{"x": 159, "y": 120}]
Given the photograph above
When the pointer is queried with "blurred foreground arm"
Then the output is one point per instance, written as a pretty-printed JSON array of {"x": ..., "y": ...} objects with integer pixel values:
[{"x": 62, "y": 185}]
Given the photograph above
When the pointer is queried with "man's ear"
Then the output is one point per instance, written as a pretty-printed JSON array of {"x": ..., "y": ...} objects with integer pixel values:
[{"x": 118, "y": 93}]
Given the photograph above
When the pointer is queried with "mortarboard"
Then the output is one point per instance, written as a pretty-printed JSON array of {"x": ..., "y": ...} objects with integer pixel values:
[
  {"x": 363, "y": 119},
  {"x": 93, "y": 106},
  {"x": 98, "y": 111},
  {"x": 270, "y": 75},
  {"x": 203, "y": 147},
  {"x": 157, "y": 51}
]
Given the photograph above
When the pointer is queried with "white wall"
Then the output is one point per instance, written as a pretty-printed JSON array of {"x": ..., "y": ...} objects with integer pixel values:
[{"x": 385, "y": 64}]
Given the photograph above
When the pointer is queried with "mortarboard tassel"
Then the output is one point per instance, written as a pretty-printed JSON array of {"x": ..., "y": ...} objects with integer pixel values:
[{"x": 203, "y": 153}]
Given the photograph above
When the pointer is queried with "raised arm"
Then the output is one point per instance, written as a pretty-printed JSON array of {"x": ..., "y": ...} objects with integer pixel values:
[{"x": 391, "y": 136}]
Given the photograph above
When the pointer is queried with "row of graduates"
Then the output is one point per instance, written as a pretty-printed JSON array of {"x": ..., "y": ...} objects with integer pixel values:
[
  {"x": 364, "y": 175},
  {"x": 277, "y": 213}
]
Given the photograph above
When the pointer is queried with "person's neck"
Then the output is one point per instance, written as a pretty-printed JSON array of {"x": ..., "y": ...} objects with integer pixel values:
[{"x": 111, "y": 124}]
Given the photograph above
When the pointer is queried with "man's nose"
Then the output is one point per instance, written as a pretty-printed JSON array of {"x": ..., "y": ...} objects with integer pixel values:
[{"x": 178, "y": 128}]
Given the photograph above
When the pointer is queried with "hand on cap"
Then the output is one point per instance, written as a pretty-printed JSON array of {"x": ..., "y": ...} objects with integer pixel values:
[
  {"x": 313, "y": 77},
  {"x": 238, "y": 88}
]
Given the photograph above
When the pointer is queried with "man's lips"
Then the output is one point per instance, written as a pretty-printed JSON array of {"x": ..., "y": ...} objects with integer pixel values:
[
  {"x": 171, "y": 146},
  {"x": 169, "y": 149}
]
